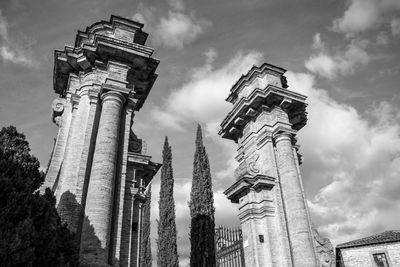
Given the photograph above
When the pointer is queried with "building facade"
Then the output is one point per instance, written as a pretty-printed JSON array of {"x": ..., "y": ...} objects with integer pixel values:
[
  {"x": 380, "y": 250},
  {"x": 98, "y": 170},
  {"x": 264, "y": 121}
]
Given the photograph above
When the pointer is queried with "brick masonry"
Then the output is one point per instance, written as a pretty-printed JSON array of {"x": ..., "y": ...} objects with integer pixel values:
[
  {"x": 99, "y": 182},
  {"x": 273, "y": 212},
  {"x": 362, "y": 256}
]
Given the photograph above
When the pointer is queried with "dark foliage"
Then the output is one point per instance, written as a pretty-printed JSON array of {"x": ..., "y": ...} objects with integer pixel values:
[
  {"x": 146, "y": 260},
  {"x": 202, "y": 252},
  {"x": 167, "y": 253},
  {"x": 31, "y": 233}
]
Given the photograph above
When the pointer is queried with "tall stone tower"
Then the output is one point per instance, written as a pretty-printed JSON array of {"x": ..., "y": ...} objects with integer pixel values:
[
  {"x": 98, "y": 168},
  {"x": 268, "y": 188}
]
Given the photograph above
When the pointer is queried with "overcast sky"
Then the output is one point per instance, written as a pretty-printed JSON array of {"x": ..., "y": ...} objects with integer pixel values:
[{"x": 344, "y": 55}]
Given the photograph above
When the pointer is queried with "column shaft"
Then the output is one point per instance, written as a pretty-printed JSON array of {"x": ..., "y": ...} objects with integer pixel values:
[
  {"x": 295, "y": 206},
  {"x": 99, "y": 203},
  {"x": 68, "y": 206},
  {"x": 123, "y": 184}
]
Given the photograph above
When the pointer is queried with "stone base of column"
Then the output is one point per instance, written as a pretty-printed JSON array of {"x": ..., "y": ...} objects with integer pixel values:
[{"x": 263, "y": 243}]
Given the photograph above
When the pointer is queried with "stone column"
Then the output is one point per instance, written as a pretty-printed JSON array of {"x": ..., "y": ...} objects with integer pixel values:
[
  {"x": 66, "y": 199},
  {"x": 296, "y": 212},
  {"x": 124, "y": 185},
  {"x": 99, "y": 203}
]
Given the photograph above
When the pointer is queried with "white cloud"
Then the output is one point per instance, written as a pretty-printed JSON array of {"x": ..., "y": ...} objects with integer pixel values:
[
  {"x": 15, "y": 56},
  {"x": 202, "y": 97},
  {"x": 144, "y": 15},
  {"x": 175, "y": 30},
  {"x": 362, "y": 15},
  {"x": 177, "y": 4},
  {"x": 351, "y": 164},
  {"x": 382, "y": 38},
  {"x": 341, "y": 62},
  {"x": 351, "y": 160},
  {"x": 12, "y": 50},
  {"x": 179, "y": 29},
  {"x": 395, "y": 27}
]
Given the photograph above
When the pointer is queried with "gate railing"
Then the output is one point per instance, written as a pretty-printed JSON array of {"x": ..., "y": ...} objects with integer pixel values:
[{"x": 229, "y": 247}]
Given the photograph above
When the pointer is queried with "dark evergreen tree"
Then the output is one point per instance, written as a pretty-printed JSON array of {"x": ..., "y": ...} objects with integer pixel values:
[
  {"x": 167, "y": 253},
  {"x": 202, "y": 251},
  {"x": 146, "y": 242},
  {"x": 31, "y": 233}
]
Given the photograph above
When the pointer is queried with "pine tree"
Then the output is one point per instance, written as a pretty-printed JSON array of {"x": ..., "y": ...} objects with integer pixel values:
[
  {"x": 31, "y": 233},
  {"x": 201, "y": 206},
  {"x": 146, "y": 243},
  {"x": 167, "y": 253}
]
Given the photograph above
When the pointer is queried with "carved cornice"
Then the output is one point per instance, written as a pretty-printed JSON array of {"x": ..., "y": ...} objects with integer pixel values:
[
  {"x": 114, "y": 89},
  {"x": 243, "y": 186},
  {"x": 257, "y": 213},
  {"x": 119, "y": 40},
  {"x": 252, "y": 74},
  {"x": 143, "y": 164},
  {"x": 248, "y": 107}
]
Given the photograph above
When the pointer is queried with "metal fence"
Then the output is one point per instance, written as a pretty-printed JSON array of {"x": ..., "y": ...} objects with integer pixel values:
[{"x": 229, "y": 247}]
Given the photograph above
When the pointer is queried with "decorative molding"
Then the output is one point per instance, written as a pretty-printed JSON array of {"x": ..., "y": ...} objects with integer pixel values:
[
  {"x": 324, "y": 250},
  {"x": 246, "y": 183},
  {"x": 135, "y": 144},
  {"x": 250, "y": 106},
  {"x": 257, "y": 213},
  {"x": 58, "y": 107}
]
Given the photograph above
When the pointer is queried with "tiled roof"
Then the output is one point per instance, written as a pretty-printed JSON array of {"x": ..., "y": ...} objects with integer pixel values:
[{"x": 385, "y": 237}]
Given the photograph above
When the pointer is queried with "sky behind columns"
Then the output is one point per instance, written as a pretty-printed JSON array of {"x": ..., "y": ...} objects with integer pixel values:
[{"x": 344, "y": 55}]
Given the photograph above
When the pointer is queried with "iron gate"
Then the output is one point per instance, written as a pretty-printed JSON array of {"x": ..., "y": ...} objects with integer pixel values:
[{"x": 229, "y": 247}]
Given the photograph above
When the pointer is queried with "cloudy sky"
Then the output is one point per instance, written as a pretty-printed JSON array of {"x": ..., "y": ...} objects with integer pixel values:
[{"x": 344, "y": 55}]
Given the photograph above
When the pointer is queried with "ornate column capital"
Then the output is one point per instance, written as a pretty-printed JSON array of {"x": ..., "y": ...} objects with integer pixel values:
[
  {"x": 113, "y": 96},
  {"x": 131, "y": 103},
  {"x": 93, "y": 96},
  {"x": 280, "y": 136},
  {"x": 74, "y": 101}
]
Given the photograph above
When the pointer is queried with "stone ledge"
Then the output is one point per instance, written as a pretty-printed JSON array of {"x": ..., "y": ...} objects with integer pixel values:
[{"x": 242, "y": 186}]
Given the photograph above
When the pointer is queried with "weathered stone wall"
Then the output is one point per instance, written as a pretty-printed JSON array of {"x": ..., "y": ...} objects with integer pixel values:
[
  {"x": 101, "y": 82},
  {"x": 362, "y": 256},
  {"x": 273, "y": 211}
]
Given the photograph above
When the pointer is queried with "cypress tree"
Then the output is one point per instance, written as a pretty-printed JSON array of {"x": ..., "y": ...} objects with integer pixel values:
[
  {"x": 146, "y": 243},
  {"x": 31, "y": 233},
  {"x": 201, "y": 206},
  {"x": 167, "y": 252}
]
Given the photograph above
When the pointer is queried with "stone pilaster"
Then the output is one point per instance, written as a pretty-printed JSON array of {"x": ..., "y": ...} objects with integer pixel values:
[
  {"x": 123, "y": 184},
  {"x": 139, "y": 233},
  {"x": 127, "y": 220},
  {"x": 88, "y": 144},
  {"x": 62, "y": 118},
  {"x": 255, "y": 207},
  {"x": 95, "y": 239},
  {"x": 300, "y": 238},
  {"x": 66, "y": 196},
  {"x": 135, "y": 232}
]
